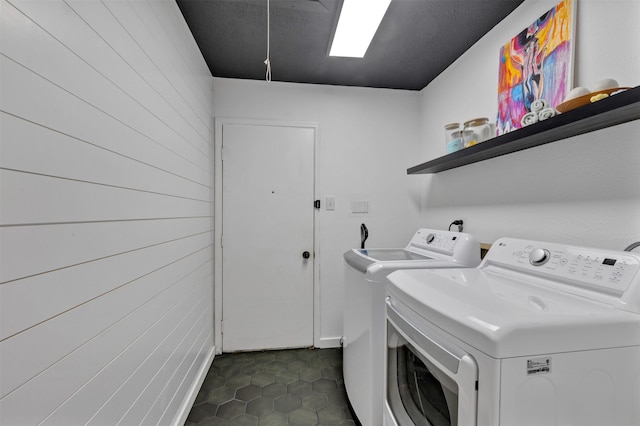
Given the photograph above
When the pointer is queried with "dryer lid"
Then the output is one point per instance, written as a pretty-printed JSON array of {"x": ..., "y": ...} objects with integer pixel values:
[{"x": 506, "y": 317}]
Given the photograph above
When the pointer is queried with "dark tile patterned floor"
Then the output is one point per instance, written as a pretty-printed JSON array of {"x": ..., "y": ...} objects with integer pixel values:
[{"x": 296, "y": 387}]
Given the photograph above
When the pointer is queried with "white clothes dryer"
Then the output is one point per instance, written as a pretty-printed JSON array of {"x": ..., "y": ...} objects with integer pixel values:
[
  {"x": 537, "y": 334},
  {"x": 364, "y": 314}
]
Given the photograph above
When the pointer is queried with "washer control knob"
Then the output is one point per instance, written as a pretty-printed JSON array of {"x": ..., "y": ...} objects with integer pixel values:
[
  {"x": 430, "y": 238},
  {"x": 538, "y": 256}
]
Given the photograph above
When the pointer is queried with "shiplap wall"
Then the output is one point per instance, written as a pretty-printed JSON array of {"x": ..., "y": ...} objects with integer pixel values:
[{"x": 106, "y": 273}]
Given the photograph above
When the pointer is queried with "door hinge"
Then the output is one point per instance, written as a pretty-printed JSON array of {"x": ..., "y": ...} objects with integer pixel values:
[
  {"x": 221, "y": 327},
  {"x": 316, "y": 204},
  {"x": 222, "y": 240}
]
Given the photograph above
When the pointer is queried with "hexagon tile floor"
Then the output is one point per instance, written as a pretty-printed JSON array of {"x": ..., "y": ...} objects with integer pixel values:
[{"x": 296, "y": 387}]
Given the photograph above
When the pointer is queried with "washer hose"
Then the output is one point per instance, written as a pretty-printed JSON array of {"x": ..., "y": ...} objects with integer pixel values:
[{"x": 632, "y": 246}]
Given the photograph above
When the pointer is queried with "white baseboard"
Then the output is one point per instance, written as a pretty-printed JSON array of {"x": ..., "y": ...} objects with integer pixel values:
[
  {"x": 328, "y": 342},
  {"x": 187, "y": 404}
]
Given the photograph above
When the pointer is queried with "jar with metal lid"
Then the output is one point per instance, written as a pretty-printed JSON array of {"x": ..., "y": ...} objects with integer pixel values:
[{"x": 481, "y": 129}]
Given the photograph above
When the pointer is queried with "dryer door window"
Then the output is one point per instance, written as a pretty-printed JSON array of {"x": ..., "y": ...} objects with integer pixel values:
[
  {"x": 425, "y": 399},
  {"x": 424, "y": 387}
]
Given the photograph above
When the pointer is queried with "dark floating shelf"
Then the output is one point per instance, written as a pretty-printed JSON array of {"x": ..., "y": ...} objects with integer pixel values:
[{"x": 610, "y": 111}]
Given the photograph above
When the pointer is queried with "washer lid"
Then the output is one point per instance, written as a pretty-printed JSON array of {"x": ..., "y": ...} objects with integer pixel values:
[
  {"x": 427, "y": 249},
  {"x": 376, "y": 270},
  {"x": 504, "y": 316},
  {"x": 392, "y": 254}
]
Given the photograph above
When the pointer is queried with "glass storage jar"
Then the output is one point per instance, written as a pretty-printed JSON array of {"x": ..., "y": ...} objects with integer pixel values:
[
  {"x": 481, "y": 130},
  {"x": 468, "y": 138},
  {"x": 449, "y": 130},
  {"x": 455, "y": 143}
]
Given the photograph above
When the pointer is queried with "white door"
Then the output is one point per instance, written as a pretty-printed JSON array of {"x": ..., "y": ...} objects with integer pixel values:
[{"x": 267, "y": 226}]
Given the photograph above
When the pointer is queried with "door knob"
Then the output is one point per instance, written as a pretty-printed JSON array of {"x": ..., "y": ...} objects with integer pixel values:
[{"x": 306, "y": 254}]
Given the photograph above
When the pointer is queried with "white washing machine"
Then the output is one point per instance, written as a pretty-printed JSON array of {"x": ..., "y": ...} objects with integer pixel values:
[
  {"x": 364, "y": 315},
  {"x": 537, "y": 334}
]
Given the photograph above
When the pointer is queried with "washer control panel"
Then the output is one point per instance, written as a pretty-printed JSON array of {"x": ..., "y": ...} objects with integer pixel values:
[
  {"x": 459, "y": 248},
  {"x": 538, "y": 256},
  {"x": 611, "y": 272},
  {"x": 437, "y": 240}
]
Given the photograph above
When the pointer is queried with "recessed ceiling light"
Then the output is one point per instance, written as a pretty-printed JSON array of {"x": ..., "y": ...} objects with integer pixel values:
[{"x": 358, "y": 23}]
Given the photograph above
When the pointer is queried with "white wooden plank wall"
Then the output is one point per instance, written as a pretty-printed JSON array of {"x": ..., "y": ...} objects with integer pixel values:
[{"x": 106, "y": 255}]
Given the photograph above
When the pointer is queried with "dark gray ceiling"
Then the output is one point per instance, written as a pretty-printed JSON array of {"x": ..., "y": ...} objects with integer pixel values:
[{"x": 416, "y": 41}]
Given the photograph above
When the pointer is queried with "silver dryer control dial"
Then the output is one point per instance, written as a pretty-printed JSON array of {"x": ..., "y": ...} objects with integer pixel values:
[
  {"x": 430, "y": 238},
  {"x": 538, "y": 256}
]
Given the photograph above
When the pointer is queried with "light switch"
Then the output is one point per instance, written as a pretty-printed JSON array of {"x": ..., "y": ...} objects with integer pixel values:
[
  {"x": 359, "y": 207},
  {"x": 330, "y": 203}
]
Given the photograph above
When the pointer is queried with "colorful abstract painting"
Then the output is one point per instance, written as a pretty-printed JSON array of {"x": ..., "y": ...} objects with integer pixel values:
[{"x": 536, "y": 64}]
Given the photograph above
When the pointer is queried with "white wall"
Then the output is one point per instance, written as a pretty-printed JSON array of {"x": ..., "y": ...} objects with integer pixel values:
[
  {"x": 367, "y": 139},
  {"x": 584, "y": 190},
  {"x": 106, "y": 213}
]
